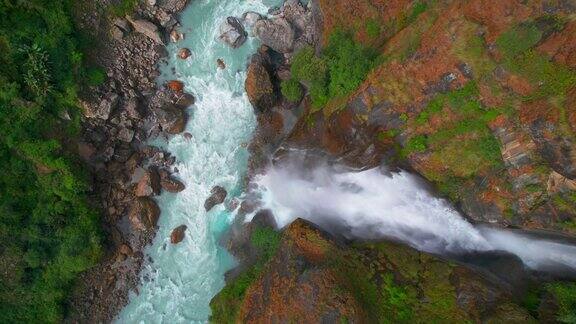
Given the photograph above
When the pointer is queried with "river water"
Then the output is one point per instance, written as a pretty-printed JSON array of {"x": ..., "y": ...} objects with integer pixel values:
[{"x": 179, "y": 283}]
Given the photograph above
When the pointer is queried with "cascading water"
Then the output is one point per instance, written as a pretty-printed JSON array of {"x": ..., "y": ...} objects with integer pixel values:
[
  {"x": 373, "y": 204},
  {"x": 179, "y": 282}
]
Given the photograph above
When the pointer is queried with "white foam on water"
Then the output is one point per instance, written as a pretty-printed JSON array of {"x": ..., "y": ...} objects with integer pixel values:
[{"x": 179, "y": 283}]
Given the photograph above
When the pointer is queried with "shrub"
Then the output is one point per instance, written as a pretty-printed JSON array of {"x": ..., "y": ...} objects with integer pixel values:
[
  {"x": 292, "y": 90},
  {"x": 95, "y": 76}
]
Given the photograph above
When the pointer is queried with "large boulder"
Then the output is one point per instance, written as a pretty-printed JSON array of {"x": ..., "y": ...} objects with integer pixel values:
[
  {"x": 259, "y": 86},
  {"x": 250, "y": 18},
  {"x": 144, "y": 214},
  {"x": 232, "y": 32},
  {"x": 172, "y": 119},
  {"x": 101, "y": 109},
  {"x": 275, "y": 33},
  {"x": 178, "y": 234},
  {"x": 149, "y": 184},
  {"x": 146, "y": 28},
  {"x": 218, "y": 194}
]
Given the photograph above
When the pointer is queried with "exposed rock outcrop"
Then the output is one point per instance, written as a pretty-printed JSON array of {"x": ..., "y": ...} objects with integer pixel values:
[
  {"x": 277, "y": 33},
  {"x": 259, "y": 86},
  {"x": 146, "y": 28},
  {"x": 144, "y": 214}
]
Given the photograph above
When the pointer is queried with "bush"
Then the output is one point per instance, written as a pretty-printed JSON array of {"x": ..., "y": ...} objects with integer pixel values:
[
  {"x": 341, "y": 69},
  {"x": 292, "y": 90}
]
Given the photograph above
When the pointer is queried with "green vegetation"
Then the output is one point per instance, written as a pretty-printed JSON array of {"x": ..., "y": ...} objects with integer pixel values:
[
  {"x": 226, "y": 305},
  {"x": 292, "y": 90},
  {"x": 48, "y": 231},
  {"x": 339, "y": 71},
  {"x": 418, "y": 9},
  {"x": 464, "y": 145},
  {"x": 565, "y": 296},
  {"x": 372, "y": 28},
  {"x": 123, "y": 7},
  {"x": 519, "y": 57}
]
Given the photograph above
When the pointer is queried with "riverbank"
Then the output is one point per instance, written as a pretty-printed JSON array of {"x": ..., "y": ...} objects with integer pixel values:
[{"x": 121, "y": 115}]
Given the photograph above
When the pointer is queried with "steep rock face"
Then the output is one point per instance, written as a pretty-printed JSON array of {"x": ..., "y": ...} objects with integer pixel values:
[
  {"x": 312, "y": 278},
  {"x": 258, "y": 85},
  {"x": 477, "y": 98}
]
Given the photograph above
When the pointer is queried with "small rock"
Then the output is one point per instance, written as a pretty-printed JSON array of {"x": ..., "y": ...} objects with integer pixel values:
[
  {"x": 175, "y": 36},
  {"x": 184, "y": 53},
  {"x": 221, "y": 64},
  {"x": 232, "y": 32},
  {"x": 175, "y": 85},
  {"x": 188, "y": 136},
  {"x": 125, "y": 249},
  {"x": 218, "y": 194},
  {"x": 151, "y": 3},
  {"x": 125, "y": 134},
  {"x": 178, "y": 234}
]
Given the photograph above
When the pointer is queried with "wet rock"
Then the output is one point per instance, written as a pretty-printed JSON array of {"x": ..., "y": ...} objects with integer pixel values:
[
  {"x": 185, "y": 100},
  {"x": 178, "y": 234},
  {"x": 259, "y": 86},
  {"x": 218, "y": 194},
  {"x": 103, "y": 109},
  {"x": 275, "y": 33},
  {"x": 250, "y": 18},
  {"x": 184, "y": 53},
  {"x": 221, "y": 64},
  {"x": 176, "y": 36},
  {"x": 149, "y": 184},
  {"x": 172, "y": 119},
  {"x": 144, "y": 214},
  {"x": 232, "y": 32},
  {"x": 175, "y": 85},
  {"x": 188, "y": 136},
  {"x": 146, "y": 28},
  {"x": 170, "y": 184}
]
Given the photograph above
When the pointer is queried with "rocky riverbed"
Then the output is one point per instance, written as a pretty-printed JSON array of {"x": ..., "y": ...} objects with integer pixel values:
[{"x": 122, "y": 114}]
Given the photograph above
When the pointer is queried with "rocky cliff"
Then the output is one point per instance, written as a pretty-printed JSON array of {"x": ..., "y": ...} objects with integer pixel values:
[
  {"x": 477, "y": 97},
  {"x": 305, "y": 275}
]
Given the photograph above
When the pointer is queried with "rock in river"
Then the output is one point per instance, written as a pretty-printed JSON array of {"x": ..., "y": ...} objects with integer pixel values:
[
  {"x": 232, "y": 32},
  {"x": 178, "y": 234},
  {"x": 218, "y": 194}
]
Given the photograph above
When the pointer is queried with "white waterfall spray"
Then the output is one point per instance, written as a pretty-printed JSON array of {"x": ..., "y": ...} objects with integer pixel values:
[{"x": 373, "y": 204}]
